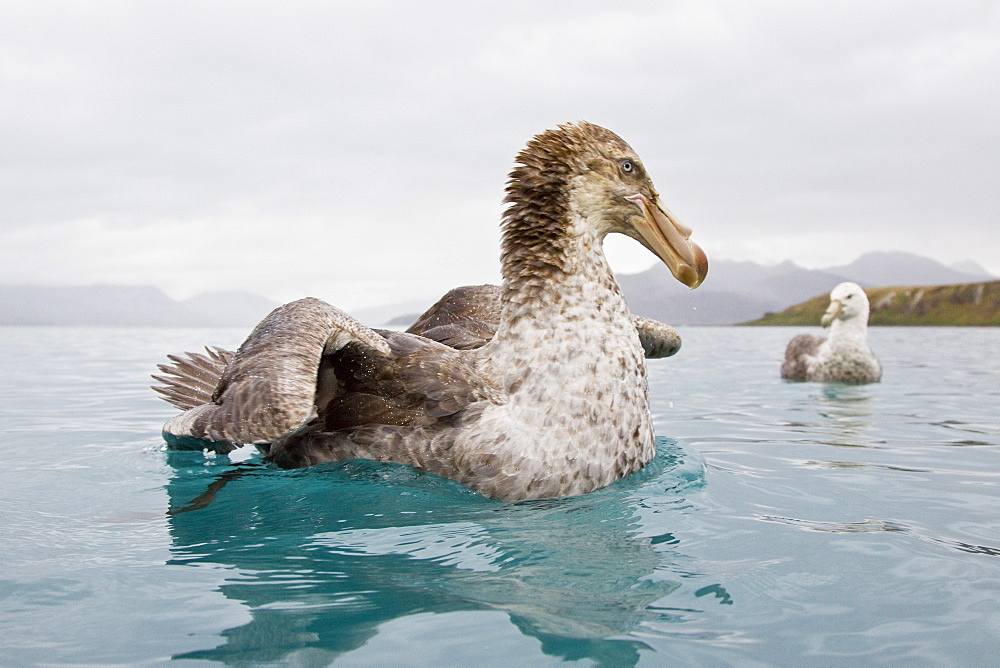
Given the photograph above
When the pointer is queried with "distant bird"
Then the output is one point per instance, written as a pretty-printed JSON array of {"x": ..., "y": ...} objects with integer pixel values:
[
  {"x": 845, "y": 355},
  {"x": 554, "y": 403}
]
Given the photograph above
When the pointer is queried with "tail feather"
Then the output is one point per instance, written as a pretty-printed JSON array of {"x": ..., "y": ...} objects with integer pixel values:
[{"x": 190, "y": 381}]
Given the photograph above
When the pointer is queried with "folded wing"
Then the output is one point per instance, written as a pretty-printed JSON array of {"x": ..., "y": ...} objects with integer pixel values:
[{"x": 799, "y": 352}]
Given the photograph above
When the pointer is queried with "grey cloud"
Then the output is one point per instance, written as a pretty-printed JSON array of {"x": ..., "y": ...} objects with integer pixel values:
[{"x": 381, "y": 133}]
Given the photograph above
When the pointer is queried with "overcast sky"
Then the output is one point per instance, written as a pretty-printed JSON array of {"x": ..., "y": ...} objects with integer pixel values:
[{"x": 358, "y": 151}]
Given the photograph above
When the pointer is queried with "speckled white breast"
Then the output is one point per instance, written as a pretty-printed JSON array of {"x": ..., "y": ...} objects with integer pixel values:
[
  {"x": 576, "y": 415},
  {"x": 845, "y": 356}
]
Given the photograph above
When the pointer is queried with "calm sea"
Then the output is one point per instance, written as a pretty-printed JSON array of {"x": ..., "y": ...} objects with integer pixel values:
[{"x": 781, "y": 524}]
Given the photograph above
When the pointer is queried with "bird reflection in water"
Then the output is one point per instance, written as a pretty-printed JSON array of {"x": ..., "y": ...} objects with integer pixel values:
[
  {"x": 328, "y": 554},
  {"x": 846, "y": 411}
]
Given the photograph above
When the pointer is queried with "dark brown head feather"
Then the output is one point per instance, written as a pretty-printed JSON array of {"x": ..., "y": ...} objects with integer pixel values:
[{"x": 535, "y": 222}]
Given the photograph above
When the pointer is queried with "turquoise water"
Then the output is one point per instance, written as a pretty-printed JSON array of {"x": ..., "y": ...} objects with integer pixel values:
[{"x": 781, "y": 524}]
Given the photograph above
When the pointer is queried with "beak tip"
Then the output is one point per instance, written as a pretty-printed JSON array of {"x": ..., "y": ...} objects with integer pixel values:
[
  {"x": 696, "y": 274},
  {"x": 690, "y": 276}
]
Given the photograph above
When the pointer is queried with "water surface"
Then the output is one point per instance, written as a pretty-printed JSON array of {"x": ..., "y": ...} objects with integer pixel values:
[{"x": 780, "y": 524}]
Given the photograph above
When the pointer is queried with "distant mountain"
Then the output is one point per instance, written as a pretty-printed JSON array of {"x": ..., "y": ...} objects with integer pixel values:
[
  {"x": 127, "y": 305},
  {"x": 739, "y": 291},
  {"x": 734, "y": 292},
  {"x": 965, "y": 304},
  {"x": 895, "y": 268},
  {"x": 972, "y": 269}
]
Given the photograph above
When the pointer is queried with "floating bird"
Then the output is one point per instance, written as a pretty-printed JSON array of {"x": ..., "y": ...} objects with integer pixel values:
[
  {"x": 845, "y": 355},
  {"x": 554, "y": 403}
]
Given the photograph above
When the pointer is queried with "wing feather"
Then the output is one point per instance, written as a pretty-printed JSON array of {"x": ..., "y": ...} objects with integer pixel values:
[
  {"x": 465, "y": 318},
  {"x": 190, "y": 381},
  {"x": 268, "y": 389},
  {"x": 658, "y": 340},
  {"x": 448, "y": 379},
  {"x": 799, "y": 351}
]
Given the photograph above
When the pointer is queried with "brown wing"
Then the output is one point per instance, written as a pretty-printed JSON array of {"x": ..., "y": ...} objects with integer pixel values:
[
  {"x": 309, "y": 360},
  {"x": 658, "y": 340},
  {"x": 468, "y": 317},
  {"x": 448, "y": 380},
  {"x": 268, "y": 389},
  {"x": 419, "y": 383},
  {"x": 797, "y": 354},
  {"x": 465, "y": 318}
]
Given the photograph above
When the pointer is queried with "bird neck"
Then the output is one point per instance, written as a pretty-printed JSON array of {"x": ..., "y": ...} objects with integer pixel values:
[
  {"x": 534, "y": 230},
  {"x": 555, "y": 273},
  {"x": 851, "y": 330},
  {"x": 567, "y": 326},
  {"x": 554, "y": 268}
]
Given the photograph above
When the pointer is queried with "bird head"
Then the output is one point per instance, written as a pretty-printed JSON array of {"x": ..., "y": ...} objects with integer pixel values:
[
  {"x": 601, "y": 182},
  {"x": 847, "y": 301}
]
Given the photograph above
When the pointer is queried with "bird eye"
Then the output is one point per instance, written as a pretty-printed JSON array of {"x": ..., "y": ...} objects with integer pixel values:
[{"x": 627, "y": 166}]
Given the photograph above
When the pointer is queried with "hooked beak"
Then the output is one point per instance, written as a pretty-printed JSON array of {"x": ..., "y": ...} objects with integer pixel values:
[
  {"x": 832, "y": 313},
  {"x": 667, "y": 238}
]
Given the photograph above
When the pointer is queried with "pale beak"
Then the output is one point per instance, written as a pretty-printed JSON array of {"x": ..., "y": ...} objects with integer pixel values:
[
  {"x": 832, "y": 313},
  {"x": 668, "y": 239}
]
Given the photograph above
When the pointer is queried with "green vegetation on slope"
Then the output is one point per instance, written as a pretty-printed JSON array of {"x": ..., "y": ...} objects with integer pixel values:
[{"x": 967, "y": 304}]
